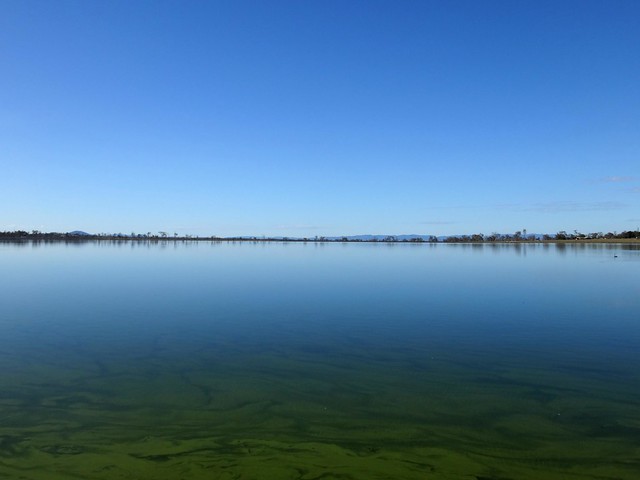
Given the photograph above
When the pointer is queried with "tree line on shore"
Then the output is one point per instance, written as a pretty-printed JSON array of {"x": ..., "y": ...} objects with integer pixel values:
[{"x": 519, "y": 236}]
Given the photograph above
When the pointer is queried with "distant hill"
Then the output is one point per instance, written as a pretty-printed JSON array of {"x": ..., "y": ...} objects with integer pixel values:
[
  {"x": 530, "y": 236},
  {"x": 79, "y": 233},
  {"x": 369, "y": 238}
]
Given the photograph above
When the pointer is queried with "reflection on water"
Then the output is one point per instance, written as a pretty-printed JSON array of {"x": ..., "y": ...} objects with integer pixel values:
[{"x": 220, "y": 360}]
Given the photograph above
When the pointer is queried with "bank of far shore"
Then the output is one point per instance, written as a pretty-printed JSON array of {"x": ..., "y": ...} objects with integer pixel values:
[
  {"x": 627, "y": 237},
  {"x": 594, "y": 240}
]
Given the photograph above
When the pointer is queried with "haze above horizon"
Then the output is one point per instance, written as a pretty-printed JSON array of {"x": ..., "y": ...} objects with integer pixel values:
[{"x": 306, "y": 118}]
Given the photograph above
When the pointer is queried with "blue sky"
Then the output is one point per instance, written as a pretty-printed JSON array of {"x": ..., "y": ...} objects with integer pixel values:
[{"x": 304, "y": 118}]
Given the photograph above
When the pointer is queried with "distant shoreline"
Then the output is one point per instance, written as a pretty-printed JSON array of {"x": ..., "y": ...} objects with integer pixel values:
[
  {"x": 59, "y": 238},
  {"x": 519, "y": 237}
]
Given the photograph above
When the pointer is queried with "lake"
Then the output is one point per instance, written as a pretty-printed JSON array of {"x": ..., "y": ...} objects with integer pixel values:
[{"x": 215, "y": 360}]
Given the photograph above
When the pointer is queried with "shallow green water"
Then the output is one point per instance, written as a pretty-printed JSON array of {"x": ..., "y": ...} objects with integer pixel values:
[{"x": 292, "y": 361}]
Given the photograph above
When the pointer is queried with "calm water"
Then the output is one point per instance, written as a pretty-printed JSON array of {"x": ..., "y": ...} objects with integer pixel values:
[{"x": 319, "y": 361}]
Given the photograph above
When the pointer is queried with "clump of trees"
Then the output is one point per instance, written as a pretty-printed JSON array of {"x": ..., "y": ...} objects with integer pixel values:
[
  {"x": 78, "y": 236},
  {"x": 576, "y": 235},
  {"x": 20, "y": 234}
]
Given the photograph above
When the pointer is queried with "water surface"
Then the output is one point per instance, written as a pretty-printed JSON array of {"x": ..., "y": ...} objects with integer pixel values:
[{"x": 201, "y": 360}]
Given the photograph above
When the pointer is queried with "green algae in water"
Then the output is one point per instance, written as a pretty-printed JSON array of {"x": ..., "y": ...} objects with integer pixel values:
[
  {"x": 349, "y": 411},
  {"x": 348, "y": 396}
]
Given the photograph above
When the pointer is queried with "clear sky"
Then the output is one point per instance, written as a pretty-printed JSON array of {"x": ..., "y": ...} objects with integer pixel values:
[{"x": 304, "y": 118}]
